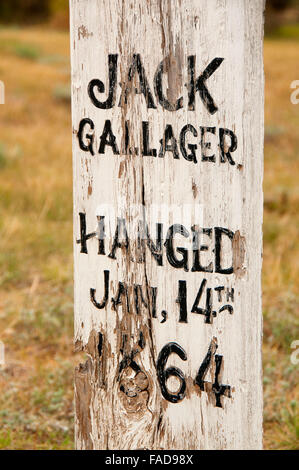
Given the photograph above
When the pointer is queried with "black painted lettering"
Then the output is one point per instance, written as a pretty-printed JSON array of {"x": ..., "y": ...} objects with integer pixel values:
[
  {"x": 139, "y": 299},
  {"x": 121, "y": 297},
  {"x": 230, "y": 294},
  {"x": 158, "y": 82},
  {"x": 190, "y": 157},
  {"x": 121, "y": 227},
  {"x": 197, "y": 266},
  {"x": 146, "y": 150},
  {"x": 170, "y": 253},
  {"x": 225, "y": 150},
  {"x": 99, "y": 85},
  {"x": 227, "y": 307},
  {"x": 164, "y": 374},
  {"x": 219, "y": 232},
  {"x": 156, "y": 248},
  {"x": 166, "y": 146},
  {"x": 102, "y": 304},
  {"x": 83, "y": 235},
  {"x": 220, "y": 389},
  {"x": 108, "y": 138},
  {"x": 153, "y": 301},
  {"x": 182, "y": 301},
  {"x": 89, "y": 137},
  {"x": 144, "y": 88},
  {"x": 199, "y": 84},
  {"x": 207, "y": 311},
  {"x": 206, "y": 145},
  {"x": 219, "y": 290},
  {"x": 101, "y": 234},
  {"x": 127, "y": 150}
]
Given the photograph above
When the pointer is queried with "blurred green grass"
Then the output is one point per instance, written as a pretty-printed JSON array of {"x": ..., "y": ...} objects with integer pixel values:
[{"x": 288, "y": 31}]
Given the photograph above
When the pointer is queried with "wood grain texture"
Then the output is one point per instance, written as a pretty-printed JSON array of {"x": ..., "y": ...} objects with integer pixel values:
[{"x": 124, "y": 409}]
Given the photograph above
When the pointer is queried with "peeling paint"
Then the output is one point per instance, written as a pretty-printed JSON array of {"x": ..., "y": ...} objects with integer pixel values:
[
  {"x": 83, "y": 32},
  {"x": 239, "y": 254}
]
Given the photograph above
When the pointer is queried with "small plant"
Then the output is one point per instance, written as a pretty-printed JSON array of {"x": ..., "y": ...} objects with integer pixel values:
[
  {"x": 3, "y": 156},
  {"x": 62, "y": 93},
  {"x": 5, "y": 439},
  {"x": 27, "y": 51},
  {"x": 290, "y": 416}
]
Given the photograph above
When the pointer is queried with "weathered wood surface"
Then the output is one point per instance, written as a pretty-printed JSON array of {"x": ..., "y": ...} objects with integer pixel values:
[{"x": 119, "y": 400}]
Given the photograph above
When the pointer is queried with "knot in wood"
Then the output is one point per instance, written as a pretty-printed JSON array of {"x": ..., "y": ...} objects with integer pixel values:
[{"x": 134, "y": 390}]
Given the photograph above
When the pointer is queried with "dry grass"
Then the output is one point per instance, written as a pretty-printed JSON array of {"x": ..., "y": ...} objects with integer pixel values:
[
  {"x": 36, "y": 394},
  {"x": 281, "y": 257},
  {"x": 36, "y": 236}
]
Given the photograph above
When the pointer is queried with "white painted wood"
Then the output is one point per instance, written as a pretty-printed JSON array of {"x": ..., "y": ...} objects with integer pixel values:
[{"x": 129, "y": 411}]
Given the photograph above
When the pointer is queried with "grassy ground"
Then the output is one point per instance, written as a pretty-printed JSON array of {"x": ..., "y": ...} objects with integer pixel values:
[{"x": 36, "y": 394}]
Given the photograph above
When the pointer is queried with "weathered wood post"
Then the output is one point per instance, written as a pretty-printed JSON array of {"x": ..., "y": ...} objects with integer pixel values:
[{"x": 167, "y": 100}]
